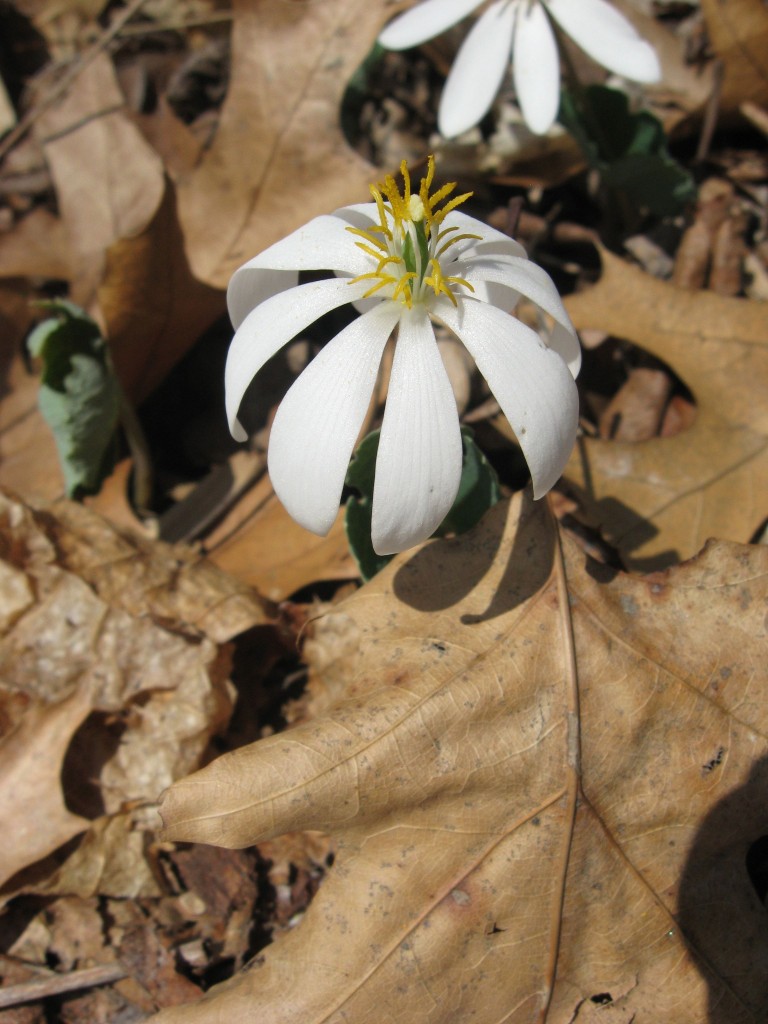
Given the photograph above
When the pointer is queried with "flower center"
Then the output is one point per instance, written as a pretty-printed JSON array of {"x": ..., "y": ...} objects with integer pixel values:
[{"x": 407, "y": 243}]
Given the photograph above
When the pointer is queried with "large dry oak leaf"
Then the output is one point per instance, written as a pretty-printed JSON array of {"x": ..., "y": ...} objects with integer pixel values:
[
  {"x": 661, "y": 500},
  {"x": 542, "y": 782}
]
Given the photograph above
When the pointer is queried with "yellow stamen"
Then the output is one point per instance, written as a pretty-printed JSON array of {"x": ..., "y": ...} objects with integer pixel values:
[
  {"x": 439, "y": 215},
  {"x": 407, "y": 242},
  {"x": 441, "y": 285},
  {"x": 452, "y": 241},
  {"x": 369, "y": 251}
]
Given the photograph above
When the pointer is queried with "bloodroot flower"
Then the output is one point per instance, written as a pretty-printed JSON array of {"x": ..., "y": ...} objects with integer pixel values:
[
  {"x": 405, "y": 260},
  {"x": 522, "y": 29}
]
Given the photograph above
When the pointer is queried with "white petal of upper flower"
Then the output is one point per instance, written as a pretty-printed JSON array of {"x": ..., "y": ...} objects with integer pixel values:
[
  {"x": 319, "y": 420},
  {"x": 425, "y": 21},
  {"x": 536, "y": 67},
  {"x": 418, "y": 467},
  {"x": 477, "y": 71},
  {"x": 531, "y": 383},
  {"x": 322, "y": 244},
  {"x": 608, "y": 38},
  {"x": 525, "y": 278},
  {"x": 271, "y": 325}
]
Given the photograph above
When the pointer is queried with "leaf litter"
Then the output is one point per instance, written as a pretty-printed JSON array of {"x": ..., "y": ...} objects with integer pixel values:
[{"x": 501, "y": 780}]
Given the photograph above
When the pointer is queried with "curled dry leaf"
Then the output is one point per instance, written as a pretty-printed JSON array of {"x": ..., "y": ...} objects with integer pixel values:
[
  {"x": 659, "y": 501},
  {"x": 109, "y": 654},
  {"x": 153, "y": 308},
  {"x": 32, "y": 807},
  {"x": 522, "y": 784}
]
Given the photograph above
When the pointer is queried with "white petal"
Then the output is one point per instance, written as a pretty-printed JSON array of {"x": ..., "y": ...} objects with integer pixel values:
[
  {"x": 271, "y": 325},
  {"x": 608, "y": 38},
  {"x": 425, "y": 21},
  {"x": 418, "y": 468},
  {"x": 494, "y": 294},
  {"x": 565, "y": 341},
  {"x": 523, "y": 277},
  {"x": 536, "y": 68},
  {"x": 477, "y": 71},
  {"x": 318, "y": 421},
  {"x": 322, "y": 244},
  {"x": 531, "y": 383},
  {"x": 501, "y": 243}
]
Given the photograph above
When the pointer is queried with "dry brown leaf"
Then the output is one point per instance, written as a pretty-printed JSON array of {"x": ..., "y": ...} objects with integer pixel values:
[
  {"x": 738, "y": 32},
  {"x": 109, "y": 182},
  {"x": 660, "y": 500},
  {"x": 66, "y": 25},
  {"x": 34, "y": 817},
  {"x": 536, "y": 784},
  {"x": 279, "y": 156},
  {"x": 153, "y": 308},
  {"x": 36, "y": 246},
  {"x": 169, "y": 583},
  {"x": 116, "y": 640},
  {"x": 29, "y": 462},
  {"x": 636, "y": 411},
  {"x": 259, "y": 544},
  {"x": 111, "y": 860}
]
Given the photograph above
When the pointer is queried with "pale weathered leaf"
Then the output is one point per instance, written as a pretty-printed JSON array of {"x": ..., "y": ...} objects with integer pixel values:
[
  {"x": 660, "y": 500},
  {"x": 518, "y": 783},
  {"x": 109, "y": 182}
]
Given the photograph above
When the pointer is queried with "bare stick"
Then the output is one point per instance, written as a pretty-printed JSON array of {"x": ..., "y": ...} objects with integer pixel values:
[{"x": 55, "y": 984}]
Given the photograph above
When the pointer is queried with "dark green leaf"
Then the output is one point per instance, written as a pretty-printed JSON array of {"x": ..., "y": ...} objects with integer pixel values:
[
  {"x": 79, "y": 395},
  {"x": 628, "y": 149},
  {"x": 478, "y": 491}
]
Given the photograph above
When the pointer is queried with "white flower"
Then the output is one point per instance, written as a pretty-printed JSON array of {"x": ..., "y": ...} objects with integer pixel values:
[
  {"x": 403, "y": 260},
  {"x": 520, "y": 28}
]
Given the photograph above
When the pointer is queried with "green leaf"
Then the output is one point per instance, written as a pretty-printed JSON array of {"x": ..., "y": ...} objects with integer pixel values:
[
  {"x": 79, "y": 395},
  {"x": 357, "y": 515},
  {"x": 478, "y": 491},
  {"x": 628, "y": 149}
]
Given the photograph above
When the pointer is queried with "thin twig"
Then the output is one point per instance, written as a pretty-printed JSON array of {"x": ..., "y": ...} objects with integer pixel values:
[
  {"x": 711, "y": 112},
  {"x": 55, "y": 984},
  {"x": 155, "y": 27},
  {"x": 68, "y": 78},
  {"x": 756, "y": 115}
]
